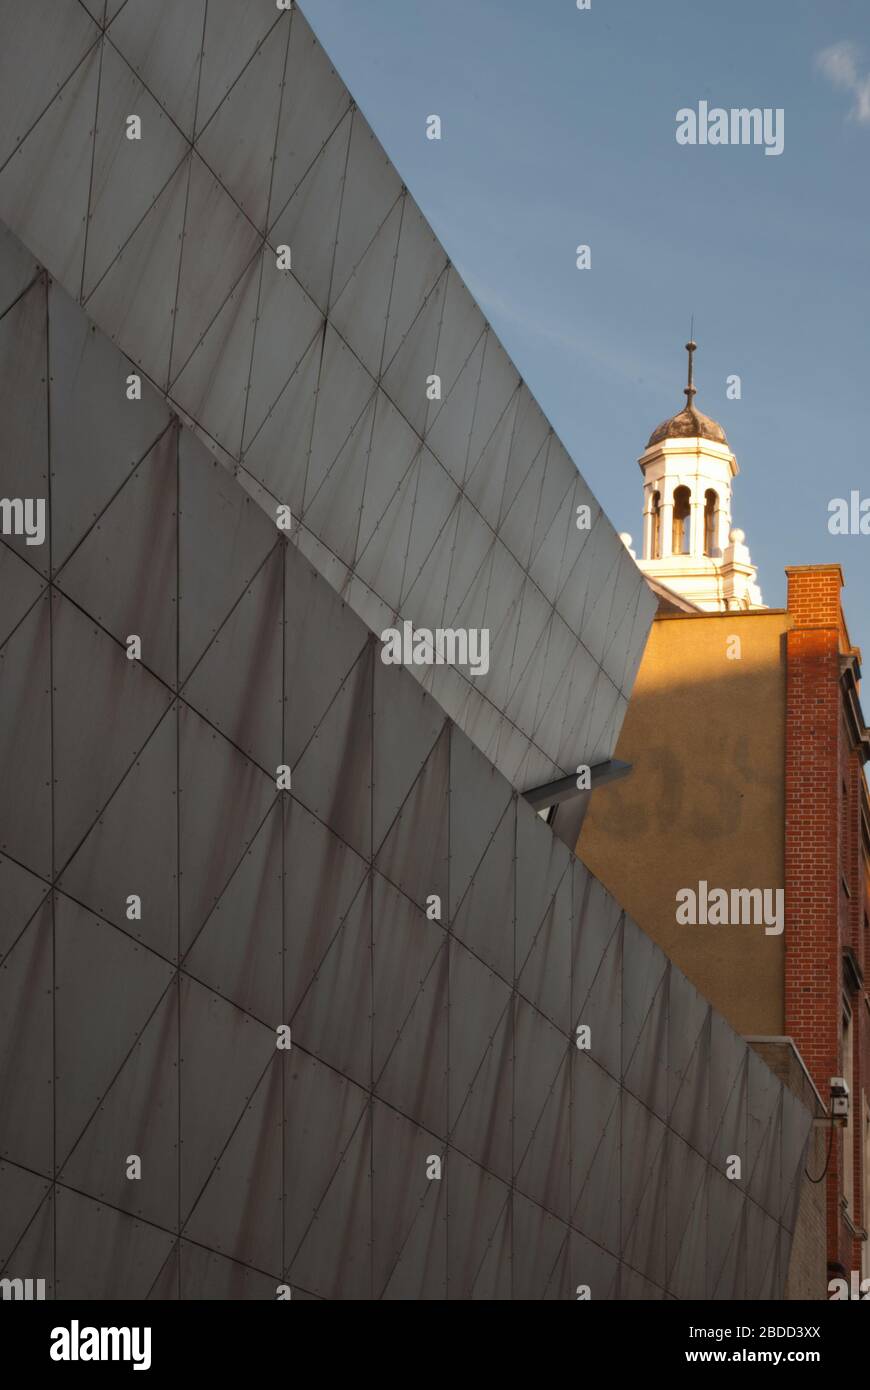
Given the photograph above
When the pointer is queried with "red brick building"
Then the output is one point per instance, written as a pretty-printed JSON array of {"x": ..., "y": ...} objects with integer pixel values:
[{"x": 827, "y": 858}]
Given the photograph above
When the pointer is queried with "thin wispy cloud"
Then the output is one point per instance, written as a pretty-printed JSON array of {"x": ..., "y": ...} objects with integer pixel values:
[
  {"x": 623, "y": 365},
  {"x": 841, "y": 64}
]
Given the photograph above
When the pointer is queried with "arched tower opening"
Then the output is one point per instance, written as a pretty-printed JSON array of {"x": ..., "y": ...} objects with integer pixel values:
[{"x": 682, "y": 538}]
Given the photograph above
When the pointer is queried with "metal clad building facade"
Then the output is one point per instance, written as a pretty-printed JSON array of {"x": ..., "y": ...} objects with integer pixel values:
[
  {"x": 166, "y": 908},
  {"x": 311, "y": 382}
]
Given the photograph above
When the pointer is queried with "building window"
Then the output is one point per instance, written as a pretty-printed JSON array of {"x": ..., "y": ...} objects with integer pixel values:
[
  {"x": 711, "y": 506},
  {"x": 656, "y": 528},
  {"x": 682, "y": 524}
]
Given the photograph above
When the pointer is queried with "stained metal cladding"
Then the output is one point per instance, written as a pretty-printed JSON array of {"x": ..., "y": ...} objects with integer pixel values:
[
  {"x": 310, "y": 384},
  {"x": 431, "y": 945}
]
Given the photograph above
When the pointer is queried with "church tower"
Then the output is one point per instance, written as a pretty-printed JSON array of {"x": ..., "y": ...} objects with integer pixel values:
[{"x": 688, "y": 543}]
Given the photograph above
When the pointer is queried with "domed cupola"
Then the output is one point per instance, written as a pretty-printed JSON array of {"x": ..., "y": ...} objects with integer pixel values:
[
  {"x": 689, "y": 423},
  {"x": 689, "y": 545}
]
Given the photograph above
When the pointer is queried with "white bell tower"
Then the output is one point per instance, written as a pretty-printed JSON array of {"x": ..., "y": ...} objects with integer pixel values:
[{"x": 689, "y": 545}]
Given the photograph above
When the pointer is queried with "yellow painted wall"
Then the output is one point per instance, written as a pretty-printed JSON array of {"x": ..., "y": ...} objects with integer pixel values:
[{"x": 705, "y": 800}]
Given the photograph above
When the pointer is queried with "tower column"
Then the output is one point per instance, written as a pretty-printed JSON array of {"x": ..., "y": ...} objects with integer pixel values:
[
  {"x": 648, "y": 549},
  {"x": 667, "y": 523},
  {"x": 697, "y": 517}
]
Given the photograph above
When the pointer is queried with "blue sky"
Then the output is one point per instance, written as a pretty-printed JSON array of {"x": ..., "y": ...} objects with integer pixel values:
[{"x": 559, "y": 129}]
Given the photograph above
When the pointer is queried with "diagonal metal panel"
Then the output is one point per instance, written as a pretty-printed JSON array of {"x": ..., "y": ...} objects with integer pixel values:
[
  {"x": 105, "y": 710},
  {"x": 141, "y": 1104},
  {"x": 62, "y": 33},
  {"x": 27, "y": 1075},
  {"x": 476, "y": 1205},
  {"x": 288, "y": 323},
  {"x": 162, "y": 42},
  {"x": 239, "y": 951},
  {"x": 481, "y": 1047},
  {"x": 22, "y": 1194},
  {"x": 127, "y": 175},
  {"x": 276, "y": 446},
  {"x": 234, "y": 30},
  {"x": 360, "y": 311},
  {"x": 542, "y": 1080},
  {"x": 333, "y": 776},
  {"x": 219, "y": 245},
  {"x": 103, "y": 1253},
  {"x": 238, "y": 1212},
  {"x": 44, "y": 186},
  {"x": 483, "y": 917},
  {"x": 544, "y": 1272},
  {"x": 88, "y": 950},
  {"x": 595, "y": 1149},
  {"x": 21, "y": 893},
  {"x": 420, "y": 263},
  {"x": 409, "y": 1256},
  {"x": 238, "y": 140},
  {"x": 195, "y": 1273},
  {"x": 18, "y": 269},
  {"x": 223, "y": 1058},
  {"x": 238, "y": 682},
  {"x": 25, "y": 741},
  {"x": 135, "y": 541},
  {"x": 371, "y": 188},
  {"x": 326, "y": 1110},
  {"x": 23, "y": 402},
  {"x": 314, "y": 103},
  {"x": 133, "y": 849},
  {"x": 334, "y": 1258},
  {"x": 410, "y": 969},
  {"x": 223, "y": 799},
  {"x": 345, "y": 390},
  {"x": 308, "y": 222},
  {"x": 134, "y": 303},
  {"x": 98, "y": 435},
  {"x": 224, "y": 538}
]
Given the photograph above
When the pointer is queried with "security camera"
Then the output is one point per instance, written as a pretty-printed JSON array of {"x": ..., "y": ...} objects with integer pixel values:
[{"x": 840, "y": 1098}]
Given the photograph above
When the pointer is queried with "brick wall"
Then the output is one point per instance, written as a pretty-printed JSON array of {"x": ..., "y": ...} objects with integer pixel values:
[
  {"x": 812, "y": 813},
  {"x": 824, "y": 873}
]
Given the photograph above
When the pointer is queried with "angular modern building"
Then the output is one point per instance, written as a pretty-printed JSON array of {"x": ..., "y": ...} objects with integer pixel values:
[{"x": 298, "y": 993}]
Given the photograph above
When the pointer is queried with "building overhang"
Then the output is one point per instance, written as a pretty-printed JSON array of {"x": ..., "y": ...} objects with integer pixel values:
[
  {"x": 565, "y": 788},
  {"x": 669, "y": 599}
]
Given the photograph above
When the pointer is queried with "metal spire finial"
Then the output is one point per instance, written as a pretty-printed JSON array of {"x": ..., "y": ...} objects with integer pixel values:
[{"x": 689, "y": 390}]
